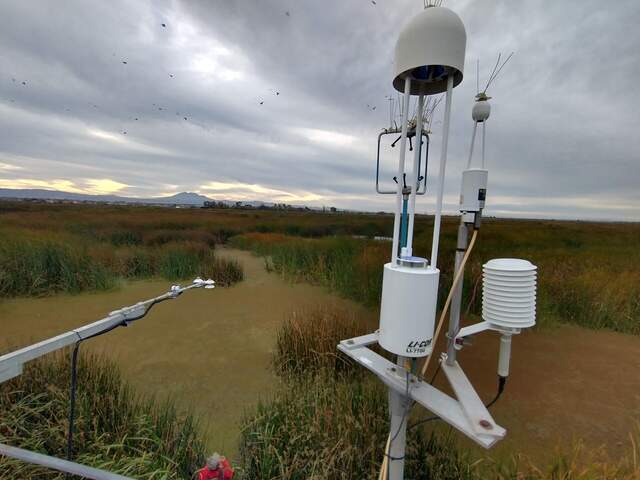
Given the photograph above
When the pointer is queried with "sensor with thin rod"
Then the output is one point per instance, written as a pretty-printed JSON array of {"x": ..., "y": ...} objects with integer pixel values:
[
  {"x": 12, "y": 364},
  {"x": 429, "y": 61}
]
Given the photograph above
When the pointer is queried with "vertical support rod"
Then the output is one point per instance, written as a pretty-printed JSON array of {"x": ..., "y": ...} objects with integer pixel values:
[
  {"x": 390, "y": 113},
  {"x": 403, "y": 149},
  {"x": 415, "y": 173},
  {"x": 456, "y": 299},
  {"x": 403, "y": 225},
  {"x": 473, "y": 141},
  {"x": 399, "y": 406},
  {"x": 443, "y": 164},
  {"x": 505, "y": 355},
  {"x": 484, "y": 136}
]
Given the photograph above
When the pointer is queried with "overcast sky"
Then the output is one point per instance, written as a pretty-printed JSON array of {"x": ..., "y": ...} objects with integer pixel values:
[{"x": 278, "y": 98}]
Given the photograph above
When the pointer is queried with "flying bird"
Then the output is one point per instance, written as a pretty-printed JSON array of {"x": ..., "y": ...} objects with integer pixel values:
[
  {"x": 277, "y": 93},
  {"x": 374, "y": 2},
  {"x": 185, "y": 118},
  {"x": 164, "y": 25},
  {"x": 287, "y": 13},
  {"x": 24, "y": 83},
  {"x": 171, "y": 75},
  {"x": 124, "y": 62},
  {"x": 124, "y": 133},
  {"x": 262, "y": 102}
]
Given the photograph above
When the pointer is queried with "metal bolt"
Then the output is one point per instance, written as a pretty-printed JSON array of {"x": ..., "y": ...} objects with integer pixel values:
[
  {"x": 393, "y": 369},
  {"x": 486, "y": 424},
  {"x": 350, "y": 342}
]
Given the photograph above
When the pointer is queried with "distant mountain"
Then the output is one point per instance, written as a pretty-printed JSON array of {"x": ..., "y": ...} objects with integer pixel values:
[{"x": 183, "y": 198}]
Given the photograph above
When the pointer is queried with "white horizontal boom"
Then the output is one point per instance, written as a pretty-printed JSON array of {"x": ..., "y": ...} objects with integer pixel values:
[
  {"x": 12, "y": 363},
  {"x": 58, "y": 464}
]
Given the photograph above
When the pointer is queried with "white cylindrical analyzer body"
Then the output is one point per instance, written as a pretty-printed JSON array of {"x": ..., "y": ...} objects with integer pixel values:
[
  {"x": 473, "y": 192},
  {"x": 408, "y": 309}
]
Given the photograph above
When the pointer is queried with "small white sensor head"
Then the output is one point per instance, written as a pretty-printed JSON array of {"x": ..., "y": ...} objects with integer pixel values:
[
  {"x": 481, "y": 111},
  {"x": 198, "y": 281},
  {"x": 209, "y": 284}
]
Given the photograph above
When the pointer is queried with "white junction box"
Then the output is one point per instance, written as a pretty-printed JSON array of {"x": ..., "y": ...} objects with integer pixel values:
[
  {"x": 474, "y": 189},
  {"x": 408, "y": 308}
]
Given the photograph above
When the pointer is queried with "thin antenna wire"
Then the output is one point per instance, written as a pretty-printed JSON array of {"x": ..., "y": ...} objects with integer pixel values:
[
  {"x": 496, "y": 71},
  {"x": 429, "y": 110},
  {"x": 477, "y": 76}
]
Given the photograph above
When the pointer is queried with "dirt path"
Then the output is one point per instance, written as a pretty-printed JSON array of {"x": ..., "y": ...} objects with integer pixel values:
[{"x": 210, "y": 349}]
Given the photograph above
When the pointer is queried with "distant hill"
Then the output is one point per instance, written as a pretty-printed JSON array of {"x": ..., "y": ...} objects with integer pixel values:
[{"x": 183, "y": 198}]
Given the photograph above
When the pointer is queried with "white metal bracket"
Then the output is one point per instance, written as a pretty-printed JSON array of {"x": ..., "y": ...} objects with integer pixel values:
[
  {"x": 477, "y": 414},
  {"x": 482, "y": 327},
  {"x": 460, "y": 413}
]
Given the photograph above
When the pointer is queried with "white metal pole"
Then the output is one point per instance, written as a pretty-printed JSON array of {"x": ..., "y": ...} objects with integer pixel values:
[
  {"x": 403, "y": 148},
  {"x": 414, "y": 176},
  {"x": 390, "y": 113},
  {"x": 456, "y": 299},
  {"x": 443, "y": 163},
  {"x": 399, "y": 406},
  {"x": 473, "y": 141},
  {"x": 484, "y": 136},
  {"x": 58, "y": 464}
]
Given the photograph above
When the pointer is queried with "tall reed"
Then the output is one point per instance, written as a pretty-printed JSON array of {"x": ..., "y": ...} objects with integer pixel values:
[{"x": 116, "y": 429}]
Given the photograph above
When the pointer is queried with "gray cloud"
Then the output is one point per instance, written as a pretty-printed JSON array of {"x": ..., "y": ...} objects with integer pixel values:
[{"x": 561, "y": 139}]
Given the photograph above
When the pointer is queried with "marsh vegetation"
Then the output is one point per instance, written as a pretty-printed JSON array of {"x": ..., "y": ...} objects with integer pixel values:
[{"x": 325, "y": 418}]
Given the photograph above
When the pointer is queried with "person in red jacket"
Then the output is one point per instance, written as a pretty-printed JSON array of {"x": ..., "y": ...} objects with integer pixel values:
[{"x": 217, "y": 468}]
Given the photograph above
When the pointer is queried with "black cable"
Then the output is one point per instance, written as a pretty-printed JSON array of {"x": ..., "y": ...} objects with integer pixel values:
[
  {"x": 501, "y": 383},
  {"x": 72, "y": 399},
  {"x": 74, "y": 372}
]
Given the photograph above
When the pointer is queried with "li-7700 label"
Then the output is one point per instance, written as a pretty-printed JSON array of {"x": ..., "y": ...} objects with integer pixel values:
[{"x": 418, "y": 346}]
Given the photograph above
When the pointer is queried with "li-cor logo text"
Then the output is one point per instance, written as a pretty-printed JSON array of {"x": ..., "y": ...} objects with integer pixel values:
[{"x": 418, "y": 346}]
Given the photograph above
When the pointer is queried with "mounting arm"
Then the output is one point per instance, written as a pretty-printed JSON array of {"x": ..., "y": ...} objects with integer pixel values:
[{"x": 11, "y": 364}]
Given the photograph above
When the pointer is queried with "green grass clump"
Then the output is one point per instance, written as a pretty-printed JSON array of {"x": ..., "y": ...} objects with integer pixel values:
[
  {"x": 327, "y": 427},
  {"x": 187, "y": 260},
  {"x": 349, "y": 266},
  {"x": 307, "y": 339},
  {"x": 116, "y": 429},
  {"x": 37, "y": 268}
]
